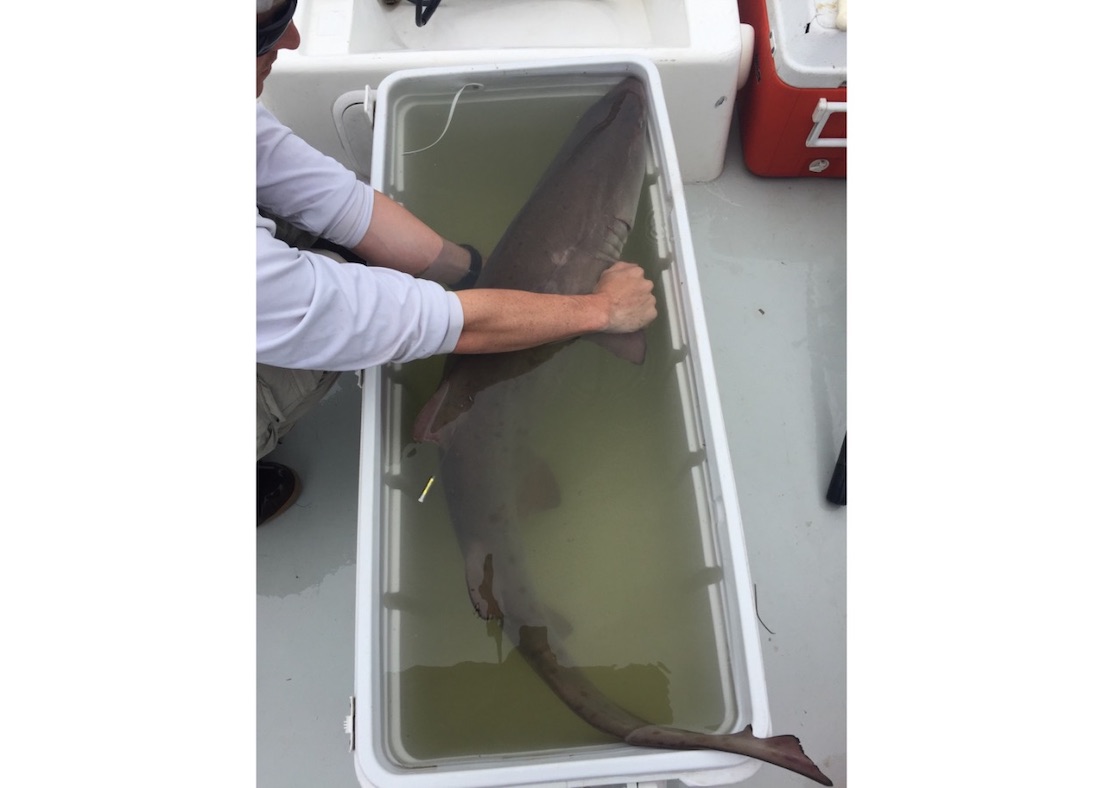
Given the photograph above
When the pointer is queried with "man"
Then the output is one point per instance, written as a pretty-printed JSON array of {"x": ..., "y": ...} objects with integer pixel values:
[{"x": 316, "y": 313}]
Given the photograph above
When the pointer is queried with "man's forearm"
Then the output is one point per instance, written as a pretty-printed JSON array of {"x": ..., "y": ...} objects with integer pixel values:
[{"x": 496, "y": 320}]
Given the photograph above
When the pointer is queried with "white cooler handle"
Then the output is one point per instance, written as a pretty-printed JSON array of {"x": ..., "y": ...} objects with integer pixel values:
[{"x": 824, "y": 110}]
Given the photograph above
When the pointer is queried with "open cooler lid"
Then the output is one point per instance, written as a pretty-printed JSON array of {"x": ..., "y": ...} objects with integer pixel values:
[{"x": 808, "y": 41}]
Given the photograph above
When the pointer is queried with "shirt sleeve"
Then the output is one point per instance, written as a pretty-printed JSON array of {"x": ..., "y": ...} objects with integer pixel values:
[
  {"x": 307, "y": 188},
  {"x": 314, "y": 312}
]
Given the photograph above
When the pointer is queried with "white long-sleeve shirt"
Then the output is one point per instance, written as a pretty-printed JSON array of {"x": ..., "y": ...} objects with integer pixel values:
[{"x": 316, "y": 313}]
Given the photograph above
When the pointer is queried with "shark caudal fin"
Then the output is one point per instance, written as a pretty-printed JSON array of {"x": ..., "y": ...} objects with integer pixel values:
[{"x": 784, "y": 751}]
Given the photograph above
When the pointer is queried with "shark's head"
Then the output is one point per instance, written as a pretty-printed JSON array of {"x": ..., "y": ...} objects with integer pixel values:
[{"x": 624, "y": 108}]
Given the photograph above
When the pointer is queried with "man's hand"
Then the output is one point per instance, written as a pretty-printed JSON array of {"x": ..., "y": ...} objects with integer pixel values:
[{"x": 631, "y": 302}]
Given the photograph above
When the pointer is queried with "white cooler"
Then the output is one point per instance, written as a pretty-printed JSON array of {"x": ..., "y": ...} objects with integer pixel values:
[{"x": 654, "y": 600}]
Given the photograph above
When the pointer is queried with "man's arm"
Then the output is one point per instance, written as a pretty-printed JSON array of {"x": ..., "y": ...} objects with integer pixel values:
[
  {"x": 498, "y": 320},
  {"x": 397, "y": 239}
]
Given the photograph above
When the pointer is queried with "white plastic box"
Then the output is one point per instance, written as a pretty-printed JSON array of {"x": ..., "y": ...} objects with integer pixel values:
[{"x": 419, "y": 619}]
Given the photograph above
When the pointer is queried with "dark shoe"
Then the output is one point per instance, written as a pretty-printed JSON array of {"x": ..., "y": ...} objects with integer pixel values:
[{"x": 277, "y": 488}]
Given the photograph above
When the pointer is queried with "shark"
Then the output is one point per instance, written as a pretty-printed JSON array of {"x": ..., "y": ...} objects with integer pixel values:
[{"x": 572, "y": 227}]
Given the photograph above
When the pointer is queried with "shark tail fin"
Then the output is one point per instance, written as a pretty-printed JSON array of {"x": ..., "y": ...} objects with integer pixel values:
[{"x": 784, "y": 751}]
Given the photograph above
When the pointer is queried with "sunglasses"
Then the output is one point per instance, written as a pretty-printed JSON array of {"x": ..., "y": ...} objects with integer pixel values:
[{"x": 269, "y": 34}]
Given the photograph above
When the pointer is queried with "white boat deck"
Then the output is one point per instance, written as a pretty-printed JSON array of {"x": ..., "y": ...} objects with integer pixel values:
[{"x": 772, "y": 260}]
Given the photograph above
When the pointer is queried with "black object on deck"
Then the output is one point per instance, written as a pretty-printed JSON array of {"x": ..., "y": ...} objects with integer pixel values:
[{"x": 836, "y": 490}]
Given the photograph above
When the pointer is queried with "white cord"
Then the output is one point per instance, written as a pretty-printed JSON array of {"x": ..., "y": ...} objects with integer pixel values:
[{"x": 448, "y": 123}]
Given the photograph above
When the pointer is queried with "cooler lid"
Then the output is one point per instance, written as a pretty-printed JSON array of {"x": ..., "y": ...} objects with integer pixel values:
[{"x": 808, "y": 41}]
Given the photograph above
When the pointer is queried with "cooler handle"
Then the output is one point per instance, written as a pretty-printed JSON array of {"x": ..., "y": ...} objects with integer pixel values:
[{"x": 824, "y": 110}]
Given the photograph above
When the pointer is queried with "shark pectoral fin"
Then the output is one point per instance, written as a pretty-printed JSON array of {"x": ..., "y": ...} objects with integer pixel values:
[
  {"x": 538, "y": 489},
  {"x": 629, "y": 347},
  {"x": 426, "y": 427}
]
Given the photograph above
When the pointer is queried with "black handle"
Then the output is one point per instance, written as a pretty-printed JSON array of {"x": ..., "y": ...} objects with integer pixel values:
[
  {"x": 836, "y": 491},
  {"x": 425, "y": 9}
]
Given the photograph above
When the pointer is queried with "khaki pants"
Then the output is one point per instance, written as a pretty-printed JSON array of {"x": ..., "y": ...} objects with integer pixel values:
[{"x": 283, "y": 397}]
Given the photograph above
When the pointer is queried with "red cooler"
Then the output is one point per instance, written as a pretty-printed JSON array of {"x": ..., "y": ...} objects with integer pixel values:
[{"x": 792, "y": 110}]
